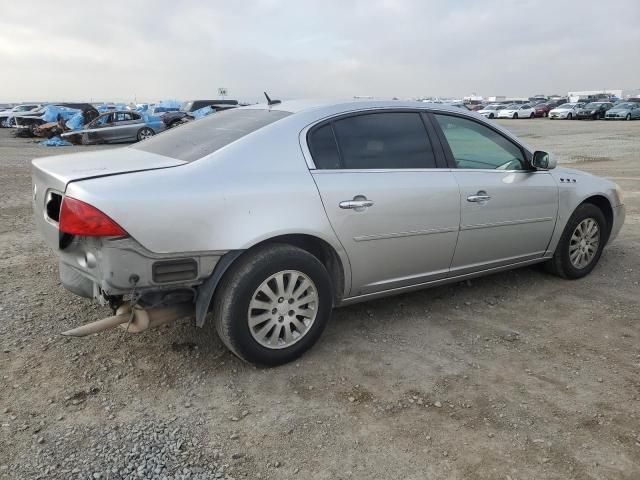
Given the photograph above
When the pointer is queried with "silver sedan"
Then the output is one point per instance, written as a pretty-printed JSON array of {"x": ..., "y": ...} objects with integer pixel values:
[
  {"x": 272, "y": 215},
  {"x": 117, "y": 127}
]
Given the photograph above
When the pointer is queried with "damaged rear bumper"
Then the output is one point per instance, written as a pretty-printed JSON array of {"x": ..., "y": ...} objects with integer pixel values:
[{"x": 98, "y": 267}]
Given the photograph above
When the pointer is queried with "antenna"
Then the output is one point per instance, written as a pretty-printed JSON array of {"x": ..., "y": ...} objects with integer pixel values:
[{"x": 271, "y": 102}]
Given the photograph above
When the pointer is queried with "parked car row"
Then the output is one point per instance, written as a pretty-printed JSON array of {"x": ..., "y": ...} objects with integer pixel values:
[{"x": 566, "y": 111}]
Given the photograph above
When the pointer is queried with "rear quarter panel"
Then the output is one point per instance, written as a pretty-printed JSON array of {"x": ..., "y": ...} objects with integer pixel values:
[{"x": 249, "y": 191}]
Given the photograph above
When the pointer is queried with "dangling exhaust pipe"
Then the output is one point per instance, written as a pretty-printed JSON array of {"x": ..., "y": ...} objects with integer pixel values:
[{"x": 142, "y": 319}]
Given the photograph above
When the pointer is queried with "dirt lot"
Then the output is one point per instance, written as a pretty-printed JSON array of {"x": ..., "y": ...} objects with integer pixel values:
[{"x": 515, "y": 376}]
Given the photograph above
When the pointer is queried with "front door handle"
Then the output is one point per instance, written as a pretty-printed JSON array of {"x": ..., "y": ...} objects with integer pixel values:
[
  {"x": 480, "y": 197},
  {"x": 359, "y": 203}
]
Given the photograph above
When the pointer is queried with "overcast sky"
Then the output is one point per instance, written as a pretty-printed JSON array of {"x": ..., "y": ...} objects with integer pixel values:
[{"x": 151, "y": 50}]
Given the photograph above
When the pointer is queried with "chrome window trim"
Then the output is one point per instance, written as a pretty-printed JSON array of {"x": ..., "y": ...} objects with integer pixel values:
[{"x": 302, "y": 136}]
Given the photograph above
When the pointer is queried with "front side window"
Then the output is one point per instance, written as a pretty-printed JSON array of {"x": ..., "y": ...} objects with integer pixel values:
[
  {"x": 384, "y": 140},
  {"x": 476, "y": 146}
]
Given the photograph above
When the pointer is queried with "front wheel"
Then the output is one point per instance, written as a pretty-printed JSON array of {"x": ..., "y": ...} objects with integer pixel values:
[
  {"x": 581, "y": 244},
  {"x": 569, "y": 116},
  {"x": 532, "y": 115},
  {"x": 145, "y": 133},
  {"x": 273, "y": 304},
  {"x": 515, "y": 116},
  {"x": 628, "y": 117},
  {"x": 491, "y": 115}
]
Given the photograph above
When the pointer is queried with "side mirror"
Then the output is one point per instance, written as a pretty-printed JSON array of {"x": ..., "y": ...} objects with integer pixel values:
[{"x": 543, "y": 161}]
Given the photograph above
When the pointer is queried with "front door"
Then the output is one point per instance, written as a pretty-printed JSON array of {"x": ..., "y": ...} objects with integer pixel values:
[
  {"x": 508, "y": 211},
  {"x": 395, "y": 213}
]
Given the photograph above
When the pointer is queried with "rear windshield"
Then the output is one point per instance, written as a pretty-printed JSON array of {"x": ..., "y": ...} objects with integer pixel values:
[{"x": 199, "y": 138}]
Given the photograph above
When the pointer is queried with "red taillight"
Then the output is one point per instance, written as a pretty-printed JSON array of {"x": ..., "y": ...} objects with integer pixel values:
[{"x": 79, "y": 218}]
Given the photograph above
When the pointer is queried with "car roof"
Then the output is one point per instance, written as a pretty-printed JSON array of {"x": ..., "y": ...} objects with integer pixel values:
[{"x": 298, "y": 106}]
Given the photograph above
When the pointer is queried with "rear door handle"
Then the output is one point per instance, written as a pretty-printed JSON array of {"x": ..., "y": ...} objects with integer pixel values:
[
  {"x": 480, "y": 197},
  {"x": 358, "y": 203}
]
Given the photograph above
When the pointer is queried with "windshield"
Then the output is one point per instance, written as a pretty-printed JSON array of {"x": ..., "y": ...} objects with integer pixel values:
[
  {"x": 491, "y": 107},
  {"x": 567, "y": 105},
  {"x": 593, "y": 105},
  {"x": 186, "y": 106},
  {"x": 513, "y": 106},
  {"x": 624, "y": 105},
  {"x": 199, "y": 138}
]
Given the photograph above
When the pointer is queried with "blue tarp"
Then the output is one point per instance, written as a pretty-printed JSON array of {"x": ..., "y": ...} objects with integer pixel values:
[
  {"x": 170, "y": 104},
  {"x": 51, "y": 113},
  {"x": 76, "y": 122},
  {"x": 202, "y": 112},
  {"x": 153, "y": 121},
  {"x": 55, "y": 142}
]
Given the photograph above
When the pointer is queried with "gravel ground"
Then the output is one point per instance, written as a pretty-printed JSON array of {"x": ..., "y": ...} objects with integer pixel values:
[{"x": 519, "y": 375}]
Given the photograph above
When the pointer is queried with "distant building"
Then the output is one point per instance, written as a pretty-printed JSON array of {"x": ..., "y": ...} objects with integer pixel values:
[{"x": 575, "y": 96}]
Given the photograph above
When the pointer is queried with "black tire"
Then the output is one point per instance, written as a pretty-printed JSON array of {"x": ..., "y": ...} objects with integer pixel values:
[
  {"x": 491, "y": 115},
  {"x": 561, "y": 264},
  {"x": 628, "y": 117},
  {"x": 515, "y": 116},
  {"x": 570, "y": 116},
  {"x": 145, "y": 132},
  {"x": 174, "y": 124},
  {"x": 235, "y": 292},
  {"x": 545, "y": 114}
]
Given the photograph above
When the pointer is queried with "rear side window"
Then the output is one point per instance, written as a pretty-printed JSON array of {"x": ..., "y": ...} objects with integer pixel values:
[
  {"x": 373, "y": 140},
  {"x": 200, "y": 138},
  {"x": 323, "y": 147}
]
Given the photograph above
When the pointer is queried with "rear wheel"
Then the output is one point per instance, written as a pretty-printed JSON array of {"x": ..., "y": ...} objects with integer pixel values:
[
  {"x": 145, "y": 133},
  {"x": 545, "y": 114},
  {"x": 628, "y": 117},
  {"x": 581, "y": 244},
  {"x": 532, "y": 115},
  {"x": 273, "y": 304}
]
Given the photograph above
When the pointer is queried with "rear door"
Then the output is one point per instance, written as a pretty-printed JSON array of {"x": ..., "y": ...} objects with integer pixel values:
[
  {"x": 395, "y": 212},
  {"x": 125, "y": 128},
  {"x": 508, "y": 211}
]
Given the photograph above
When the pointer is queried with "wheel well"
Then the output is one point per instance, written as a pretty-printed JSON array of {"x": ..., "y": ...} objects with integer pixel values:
[
  {"x": 322, "y": 251},
  {"x": 605, "y": 207}
]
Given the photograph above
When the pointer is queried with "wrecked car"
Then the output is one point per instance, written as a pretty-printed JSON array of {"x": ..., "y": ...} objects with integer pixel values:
[
  {"x": 116, "y": 127},
  {"x": 25, "y": 124},
  {"x": 172, "y": 119},
  {"x": 269, "y": 216},
  {"x": 17, "y": 110}
]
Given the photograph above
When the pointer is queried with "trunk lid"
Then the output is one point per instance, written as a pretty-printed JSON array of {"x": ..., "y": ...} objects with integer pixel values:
[{"x": 51, "y": 175}]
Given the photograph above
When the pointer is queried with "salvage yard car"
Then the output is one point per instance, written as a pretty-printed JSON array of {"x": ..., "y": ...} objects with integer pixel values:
[
  {"x": 567, "y": 111},
  {"x": 17, "y": 110},
  {"x": 491, "y": 111},
  {"x": 516, "y": 111},
  {"x": 271, "y": 215},
  {"x": 116, "y": 127},
  {"x": 593, "y": 110},
  {"x": 624, "y": 111}
]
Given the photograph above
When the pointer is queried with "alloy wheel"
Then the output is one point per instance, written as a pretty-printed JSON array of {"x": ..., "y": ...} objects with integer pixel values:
[
  {"x": 283, "y": 309},
  {"x": 584, "y": 243},
  {"x": 145, "y": 133}
]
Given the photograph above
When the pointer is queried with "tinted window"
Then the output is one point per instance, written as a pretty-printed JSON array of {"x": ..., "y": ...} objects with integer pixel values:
[
  {"x": 475, "y": 146},
  {"x": 324, "y": 150},
  {"x": 384, "y": 140},
  {"x": 195, "y": 140}
]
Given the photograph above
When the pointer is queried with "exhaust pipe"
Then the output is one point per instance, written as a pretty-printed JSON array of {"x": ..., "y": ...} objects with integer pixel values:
[{"x": 142, "y": 319}]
